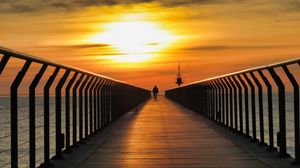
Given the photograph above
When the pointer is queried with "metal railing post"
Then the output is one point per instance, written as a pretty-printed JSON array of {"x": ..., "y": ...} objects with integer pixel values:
[
  {"x": 206, "y": 99},
  {"x": 209, "y": 95},
  {"x": 296, "y": 112},
  {"x": 92, "y": 102},
  {"x": 67, "y": 114},
  {"x": 219, "y": 105},
  {"x": 240, "y": 96},
  {"x": 96, "y": 104},
  {"x": 246, "y": 105},
  {"x": 14, "y": 113},
  {"x": 86, "y": 108},
  {"x": 252, "y": 88},
  {"x": 215, "y": 99},
  {"x": 212, "y": 100},
  {"x": 99, "y": 105},
  {"x": 105, "y": 103},
  {"x": 282, "y": 117},
  {"x": 223, "y": 101},
  {"x": 270, "y": 111},
  {"x": 230, "y": 102},
  {"x": 201, "y": 93},
  {"x": 109, "y": 101},
  {"x": 81, "y": 107},
  {"x": 32, "y": 87},
  {"x": 226, "y": 101},
  {"x": 260, "y": 109},
  {"x": 74, "y": 96},
  {"x": 103, "y": 100},
  {"x": 47, "y": 116},
  {"x": 59, "y": 136},
  {"x": 234, "y": 103}
]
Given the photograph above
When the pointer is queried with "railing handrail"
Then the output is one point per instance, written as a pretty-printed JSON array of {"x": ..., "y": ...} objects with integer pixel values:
[
  {"x": 208, "y": 98},
  {"x": 101, "y": 99},
  {"x": 274, "y": 65},
  {"x": 24, "y": 56}
]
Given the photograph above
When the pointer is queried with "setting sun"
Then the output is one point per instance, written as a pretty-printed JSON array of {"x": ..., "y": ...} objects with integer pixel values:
[{"x": 136, "y": 41}]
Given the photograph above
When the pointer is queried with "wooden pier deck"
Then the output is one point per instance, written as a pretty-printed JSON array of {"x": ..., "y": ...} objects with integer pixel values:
[{"x": 162, "y": 134}]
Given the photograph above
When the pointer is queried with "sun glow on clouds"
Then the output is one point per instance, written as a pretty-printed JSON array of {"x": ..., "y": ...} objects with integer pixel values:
[{"x": 136, "y": 40}]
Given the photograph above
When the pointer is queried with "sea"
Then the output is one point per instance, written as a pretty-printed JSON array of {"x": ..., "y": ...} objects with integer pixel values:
[{"x": 23, "y": 126}]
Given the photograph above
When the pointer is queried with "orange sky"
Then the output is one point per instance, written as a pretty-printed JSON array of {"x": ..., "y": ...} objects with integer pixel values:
[{"x": 208, "y": 37}]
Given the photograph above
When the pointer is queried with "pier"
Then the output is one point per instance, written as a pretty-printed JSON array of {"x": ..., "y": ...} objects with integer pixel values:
[
  {"x": 164, "y": 134},
  {"x": 97, "y": 121}
]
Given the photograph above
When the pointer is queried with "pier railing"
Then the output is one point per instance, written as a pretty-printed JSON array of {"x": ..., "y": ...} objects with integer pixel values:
[
  {"x": 226, "y": 100},
  {"x": 85, "y": 103}
]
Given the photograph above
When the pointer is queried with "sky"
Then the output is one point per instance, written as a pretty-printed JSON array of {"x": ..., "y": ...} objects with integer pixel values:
[{"x": 142, "y": 41}]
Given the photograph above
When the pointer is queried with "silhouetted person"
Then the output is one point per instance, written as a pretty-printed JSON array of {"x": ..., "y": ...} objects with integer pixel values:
[{"x": 155, "y": 92}]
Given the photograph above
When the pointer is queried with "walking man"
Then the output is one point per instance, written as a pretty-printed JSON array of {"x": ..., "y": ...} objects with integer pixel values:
[{"x": 155, "y": 92}]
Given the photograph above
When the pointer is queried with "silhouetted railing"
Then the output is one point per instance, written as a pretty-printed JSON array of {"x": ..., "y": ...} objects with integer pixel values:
[
  {"x": 96, "y": 100},
  {"x": 225, "y": 99}
]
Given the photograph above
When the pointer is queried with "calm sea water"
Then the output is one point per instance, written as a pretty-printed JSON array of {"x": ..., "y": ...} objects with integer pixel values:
[
  {"x": 23, "y": 126},
  {"x": 23, "y": 129}
]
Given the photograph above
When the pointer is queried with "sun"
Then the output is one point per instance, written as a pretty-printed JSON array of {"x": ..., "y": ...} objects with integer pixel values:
[{"x": 135, "y": 41}]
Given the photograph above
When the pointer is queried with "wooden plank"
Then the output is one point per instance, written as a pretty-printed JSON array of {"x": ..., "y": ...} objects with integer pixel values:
[{"x": 163, "y": 135}]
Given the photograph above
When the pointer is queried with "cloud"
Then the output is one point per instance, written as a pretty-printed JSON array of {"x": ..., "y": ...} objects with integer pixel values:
[
  {"x": 95, "y": 2},
  {"x": 23, "y": 6},
  {"x": 176, "y": 3},
  {"x": 231, "y": 47},
  {"x": 20, "y": 8},
  {"x": 293, "y": 5},
  {"x": 62, "y": 5},
  {"x": 4, "y": 1},
  {"x": 79, "y": 46},
  {"x": 135, "y": 74}
]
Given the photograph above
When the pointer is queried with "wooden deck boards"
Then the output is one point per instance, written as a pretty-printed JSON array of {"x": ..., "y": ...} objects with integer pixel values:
[{"x": 163, "y": 135}]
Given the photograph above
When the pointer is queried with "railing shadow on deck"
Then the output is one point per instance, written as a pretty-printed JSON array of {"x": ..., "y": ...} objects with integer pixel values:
[
  {"x": 96, "y": 101},
  {"x": 225, "y": 100}
]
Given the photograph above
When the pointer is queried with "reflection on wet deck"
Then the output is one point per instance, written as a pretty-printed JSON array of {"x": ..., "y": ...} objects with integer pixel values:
[{"x": 163, "y": 134}]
